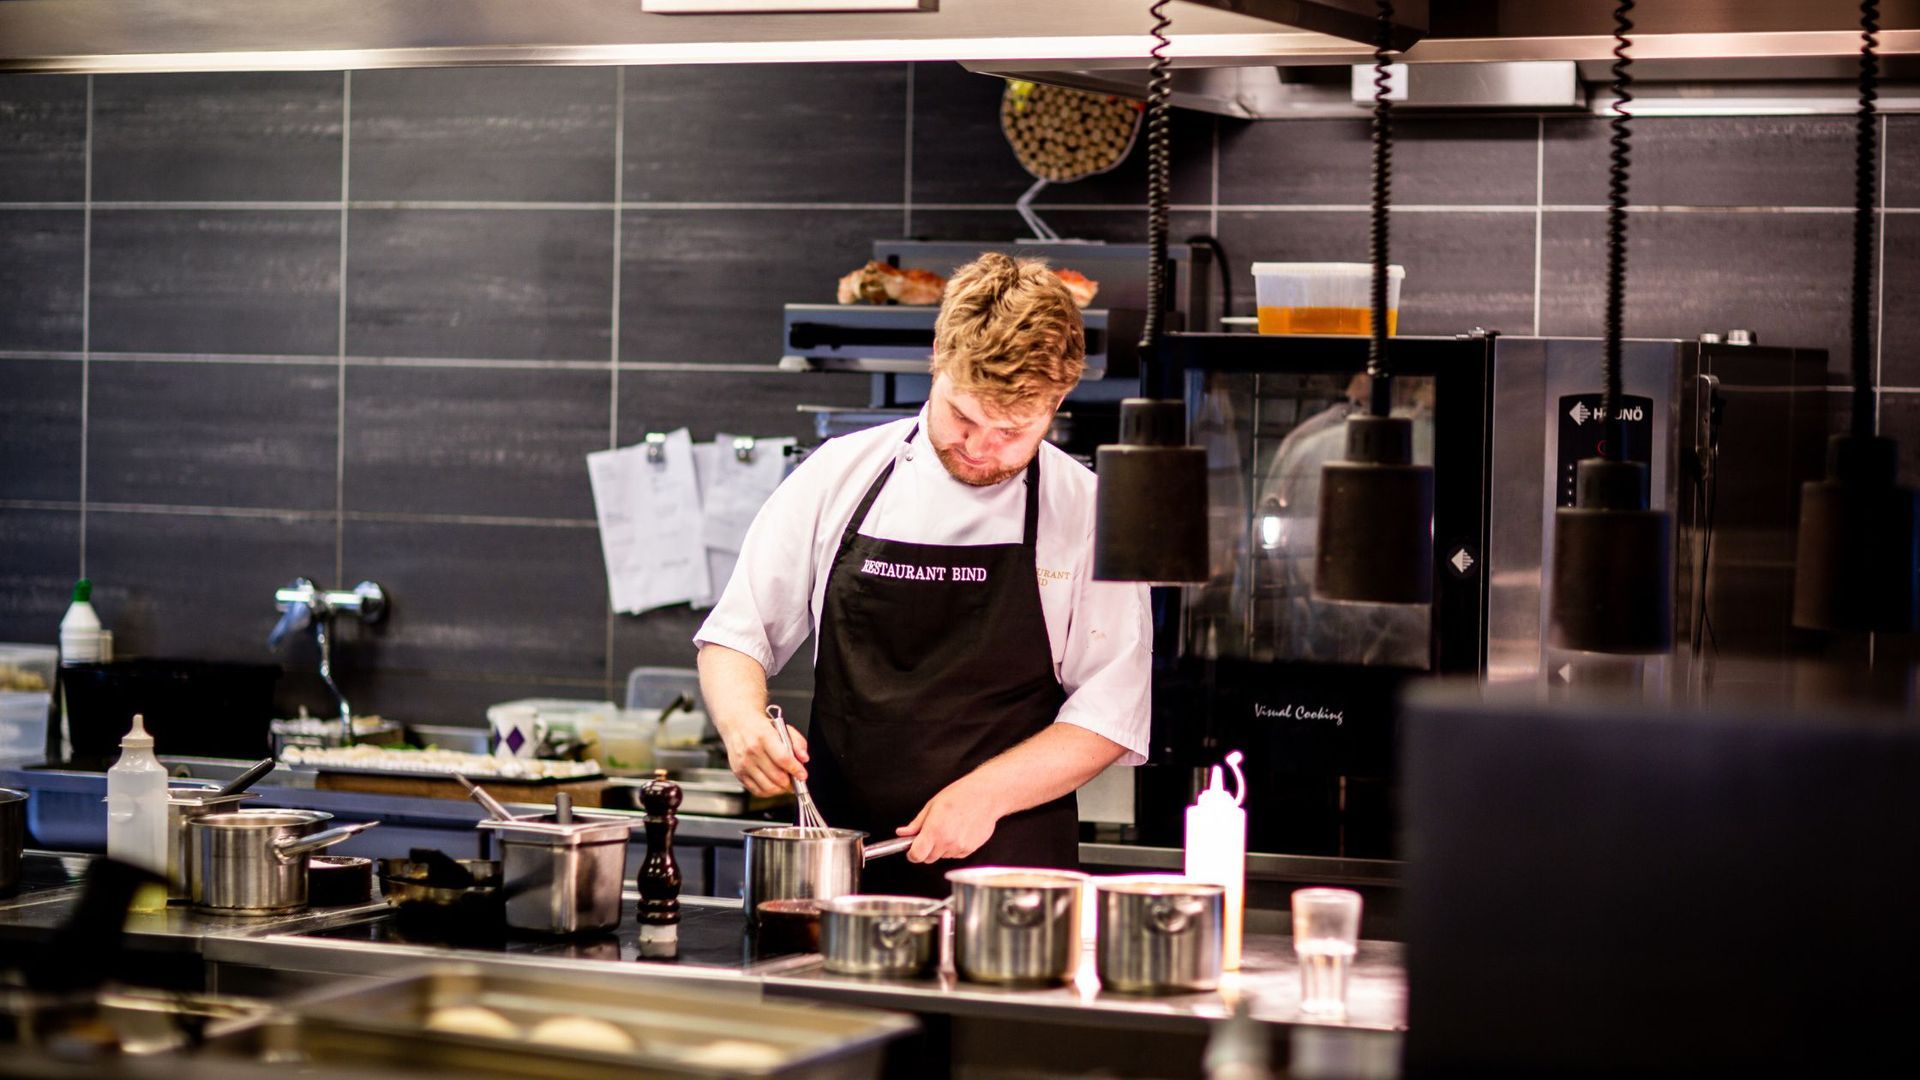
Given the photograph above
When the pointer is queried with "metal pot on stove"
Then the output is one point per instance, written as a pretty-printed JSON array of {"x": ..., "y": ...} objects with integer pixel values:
[
  {"x": 1016, "y": 925},
  {"x": 792, "y": 862},
  {"x": 1157, "y": 934},
  {"x": 254, "y": 862}
]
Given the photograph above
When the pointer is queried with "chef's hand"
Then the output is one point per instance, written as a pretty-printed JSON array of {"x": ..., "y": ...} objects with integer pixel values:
[
  {"x": 761, "y": 761},
  {"x": 953, "y": 825}
]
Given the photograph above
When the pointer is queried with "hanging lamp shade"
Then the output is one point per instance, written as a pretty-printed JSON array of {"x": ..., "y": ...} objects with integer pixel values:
[
  {"x": 1858, "y": 551},
  {"x": 1376, "y": 518},
  {"x": 1150, "y": 517},
  {"x": 1612, "y": 580}
]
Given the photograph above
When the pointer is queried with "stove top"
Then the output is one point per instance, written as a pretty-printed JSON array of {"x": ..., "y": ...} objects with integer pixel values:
[
  {"x": 43, "y": 871},
  {"x": 712, "y": 935}
]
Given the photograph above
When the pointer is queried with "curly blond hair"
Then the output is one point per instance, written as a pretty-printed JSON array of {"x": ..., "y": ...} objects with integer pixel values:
[{"x": 1009, "y": 334}]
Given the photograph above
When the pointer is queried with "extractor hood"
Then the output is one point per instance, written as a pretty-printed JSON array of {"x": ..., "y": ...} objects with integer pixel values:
[
  {"x": 256, "y": 35},
  {"x": 1690, "y": 57}
]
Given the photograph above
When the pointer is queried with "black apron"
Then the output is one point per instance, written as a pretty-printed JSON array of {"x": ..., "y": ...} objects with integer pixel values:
[{"x": 933, "y": 659}]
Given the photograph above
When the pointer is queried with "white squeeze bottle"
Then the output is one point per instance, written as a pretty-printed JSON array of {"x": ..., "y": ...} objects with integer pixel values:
[
  {"x": 137, "y": 810},
  {"x": 80, "y": 628},
  {"x": 1217, "y": 848}
]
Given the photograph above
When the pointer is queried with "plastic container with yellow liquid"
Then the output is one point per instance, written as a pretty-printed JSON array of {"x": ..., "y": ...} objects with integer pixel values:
[{"x": 1322, "y": 298}]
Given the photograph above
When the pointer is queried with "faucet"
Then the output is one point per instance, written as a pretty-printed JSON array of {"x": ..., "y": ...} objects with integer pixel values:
[{"x": 305, "y": 605}]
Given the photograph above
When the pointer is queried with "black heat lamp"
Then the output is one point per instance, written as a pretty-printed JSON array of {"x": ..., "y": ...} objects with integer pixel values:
[
  {"x": 1855, "y": 567},
  {"x": 1612, "y": 577},
  {"x": 1150, "y": 523},
  {"x": 1150, "y": 520},
  {"x": 1376, "y": 506}
]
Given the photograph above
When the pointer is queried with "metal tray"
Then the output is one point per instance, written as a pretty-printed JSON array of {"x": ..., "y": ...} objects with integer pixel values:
[
  {"x": 383, "y": 1025},
  {"x": 131, "y": 1021},
  {"x": 422, "y": 774}
]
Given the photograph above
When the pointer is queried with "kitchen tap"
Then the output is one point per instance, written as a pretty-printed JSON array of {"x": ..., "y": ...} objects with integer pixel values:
[{"x": 304, "y": 605}]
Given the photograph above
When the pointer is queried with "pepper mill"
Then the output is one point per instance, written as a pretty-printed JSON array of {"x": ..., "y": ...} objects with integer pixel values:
[{"x": 659, "y": 879}]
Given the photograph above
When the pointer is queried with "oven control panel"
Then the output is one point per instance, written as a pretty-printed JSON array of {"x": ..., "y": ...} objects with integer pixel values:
[{"x": 1583, "y": 434}]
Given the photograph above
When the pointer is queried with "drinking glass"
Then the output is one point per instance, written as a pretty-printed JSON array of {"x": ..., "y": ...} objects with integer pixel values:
[{"x": 1326, "y": 933}]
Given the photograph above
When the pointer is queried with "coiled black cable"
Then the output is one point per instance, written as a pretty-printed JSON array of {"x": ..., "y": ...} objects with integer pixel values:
[
  {"x": 1865, "y": 177},
  {"x": 1381, "y": 396},
  {"x": 1619, "y": 163},
  {"x": 1159, "y": 173}
]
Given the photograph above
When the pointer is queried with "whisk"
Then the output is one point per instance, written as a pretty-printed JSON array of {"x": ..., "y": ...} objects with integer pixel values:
[{"x": 809, "y": 817}]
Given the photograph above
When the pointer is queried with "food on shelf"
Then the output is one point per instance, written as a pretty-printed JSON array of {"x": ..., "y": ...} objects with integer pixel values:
[
  {"x": 1080, "y": 286},
  {"x": 878, "y": 283},
  {"x": 583, "y": 1033},
  {"x": 734, "y": 1054},
  {"x": 1060, "y": 134},
  {"x": 436, "y": 762},
  {"x": 471, "y": 1020}
]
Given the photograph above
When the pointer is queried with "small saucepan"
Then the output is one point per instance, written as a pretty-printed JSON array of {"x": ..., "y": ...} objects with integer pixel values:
[
  {"x": 254, "y": 862},
  {"x": 788, "y": 862}
]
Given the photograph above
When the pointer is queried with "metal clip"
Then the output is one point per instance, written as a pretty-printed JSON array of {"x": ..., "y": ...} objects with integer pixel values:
[
  {"x": 743, "y": 449},
  {"x": 656, "y": 447}
]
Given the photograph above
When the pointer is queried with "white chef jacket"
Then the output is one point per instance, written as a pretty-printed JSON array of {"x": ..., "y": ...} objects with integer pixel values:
[{"x": 1100, "y": 631}]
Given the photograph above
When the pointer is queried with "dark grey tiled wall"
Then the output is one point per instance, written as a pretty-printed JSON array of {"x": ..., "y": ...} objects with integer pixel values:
[{"x": 366, "y": 325}]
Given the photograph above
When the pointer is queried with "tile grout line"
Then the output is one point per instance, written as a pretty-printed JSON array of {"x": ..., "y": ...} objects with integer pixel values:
[
  {"x": 1880, "y": 306},
  {"x": 613, "y": 344},
  {"x": 710, "y": 367},
  {"x": 340, "y": 340},
  {"x": 906, "y": 189},
  {"x": 1880, "y": 277},
  {"x": 302, "y": 513},
  {"x": 908, "y": 205},
  {"x": 1539, "y": 215},
  {"x": 86, "y": 319}
]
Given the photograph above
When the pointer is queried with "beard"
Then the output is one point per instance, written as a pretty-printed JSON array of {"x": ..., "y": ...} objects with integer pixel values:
[{"x": 977, "y": 475}]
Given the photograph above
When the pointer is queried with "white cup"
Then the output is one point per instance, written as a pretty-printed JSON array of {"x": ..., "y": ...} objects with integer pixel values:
[{"x": 518, "y": 730}]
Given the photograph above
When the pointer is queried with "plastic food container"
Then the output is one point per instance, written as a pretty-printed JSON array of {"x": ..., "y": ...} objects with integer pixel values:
[
  {"x": 1322, "y": 298},
  {"x": 27, "y": 669},
  {"x": 626, "y": 742}
]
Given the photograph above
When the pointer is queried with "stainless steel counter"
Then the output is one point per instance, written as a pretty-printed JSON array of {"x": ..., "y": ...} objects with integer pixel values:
[
  {"x": 1269, "y": 978},
  {"x": 52, "y": 889}
]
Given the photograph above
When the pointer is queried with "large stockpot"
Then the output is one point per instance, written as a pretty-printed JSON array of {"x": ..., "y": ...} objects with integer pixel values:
[
  {"x": 254, "y": 862},
  {"x": 1016, "y": 925},
  {"x": 1158, "y": 935},
  {"x": 788, "y": 862},
  {"x": 182, "y": 807},
  {"x": 13, "y": 837},
  {"x": 562, "y": 878},
  {"x": 892, "y": 936}
]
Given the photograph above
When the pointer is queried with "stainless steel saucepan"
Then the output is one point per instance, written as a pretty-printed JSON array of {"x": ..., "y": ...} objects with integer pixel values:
[
  {"x": 1016, "y": 925},
  {"x": 1158, "y": 934},
  {"x": 788, "y": 862},
  {"x": 254, "y": 862}
]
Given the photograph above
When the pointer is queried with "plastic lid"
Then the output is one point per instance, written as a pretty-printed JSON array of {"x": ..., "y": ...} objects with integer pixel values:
[
  {"x": 137, "y": 738},
  {"x": 82, "y": 591},
  {"x": 1324, "y": 269}
]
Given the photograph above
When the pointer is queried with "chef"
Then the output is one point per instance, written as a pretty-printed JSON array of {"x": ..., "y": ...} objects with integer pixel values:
[{"x": 969, "y": 673}]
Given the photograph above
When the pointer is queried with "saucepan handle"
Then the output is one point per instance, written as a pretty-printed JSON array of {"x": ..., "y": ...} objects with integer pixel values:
[
  {"x": 288, "y": 848},
  {"x": 1173, "y": 916},
  {"x": 885, "y": 848},
  {"x": 1021, "y": 910}
]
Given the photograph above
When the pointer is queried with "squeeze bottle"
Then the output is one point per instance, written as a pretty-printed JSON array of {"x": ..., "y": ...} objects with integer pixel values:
[
  {"x": 80, "y": 628},
  {"x": 137, "y": 810},
  {"x": 1217, "y": 848}
]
